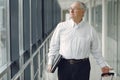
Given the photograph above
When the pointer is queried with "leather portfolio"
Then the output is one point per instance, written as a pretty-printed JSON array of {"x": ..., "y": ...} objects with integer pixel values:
[{"x": 56, "y": 62}]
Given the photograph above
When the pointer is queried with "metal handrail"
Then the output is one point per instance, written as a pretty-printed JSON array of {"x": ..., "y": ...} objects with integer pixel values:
[
  {"x": 24, "y": 66},
  {"x": 31, "y": 58}
]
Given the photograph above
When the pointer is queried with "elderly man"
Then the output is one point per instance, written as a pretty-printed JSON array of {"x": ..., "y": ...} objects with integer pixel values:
[{"x": 75, "y": 39}]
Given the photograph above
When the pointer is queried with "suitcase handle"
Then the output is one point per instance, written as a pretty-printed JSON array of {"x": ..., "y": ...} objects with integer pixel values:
[{"x": 109, "y": 74}]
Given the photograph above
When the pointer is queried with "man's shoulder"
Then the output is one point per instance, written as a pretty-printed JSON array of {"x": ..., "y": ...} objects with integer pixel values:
[
  {"x": 63, "y": 23},
  {"x": 88, "y": 25}
]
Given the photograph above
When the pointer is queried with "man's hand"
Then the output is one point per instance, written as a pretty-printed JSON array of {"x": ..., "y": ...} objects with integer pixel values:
[
  {"x": 49, "y": 68},
  {"x": 106, "y": 69}
]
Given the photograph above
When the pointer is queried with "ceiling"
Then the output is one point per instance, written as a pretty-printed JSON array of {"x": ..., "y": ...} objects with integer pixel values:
[{"x": 64, "y": 4}]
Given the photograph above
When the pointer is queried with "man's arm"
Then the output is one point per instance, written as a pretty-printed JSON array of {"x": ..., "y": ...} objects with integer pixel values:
[
  {"x": 96, "y": 51},
  {"x": 54, "y": 46}
]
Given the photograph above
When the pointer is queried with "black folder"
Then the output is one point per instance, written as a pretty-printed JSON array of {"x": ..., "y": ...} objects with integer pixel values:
[{"x": 56, "y": 62}]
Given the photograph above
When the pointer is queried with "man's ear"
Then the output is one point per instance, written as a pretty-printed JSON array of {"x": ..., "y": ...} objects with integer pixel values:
[{"x": 83, "y": 12}]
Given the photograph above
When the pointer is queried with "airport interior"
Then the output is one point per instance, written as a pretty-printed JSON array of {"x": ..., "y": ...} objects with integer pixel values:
[{"x": 26, "y": 27}]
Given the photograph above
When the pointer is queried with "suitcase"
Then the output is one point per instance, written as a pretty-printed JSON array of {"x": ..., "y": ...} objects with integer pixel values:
[{"x": 108, "y": 76}]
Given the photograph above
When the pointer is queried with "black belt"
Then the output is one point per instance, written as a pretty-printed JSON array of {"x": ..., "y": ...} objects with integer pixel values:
[{"x": 74, "y": 61}]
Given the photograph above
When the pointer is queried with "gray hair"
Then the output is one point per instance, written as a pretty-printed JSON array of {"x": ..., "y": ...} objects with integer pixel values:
[{"x": 82, "y": 5}]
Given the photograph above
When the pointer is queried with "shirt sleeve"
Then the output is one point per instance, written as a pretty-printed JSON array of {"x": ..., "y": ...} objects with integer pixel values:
[
  {"x": 54, "y": 44},
  {"x": 96, "y": 49}
]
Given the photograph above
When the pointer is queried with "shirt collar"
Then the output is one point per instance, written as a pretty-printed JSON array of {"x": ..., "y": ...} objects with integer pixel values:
[
  {"x": 74, "y": 24},
  {"x": 71, "y": 22}
]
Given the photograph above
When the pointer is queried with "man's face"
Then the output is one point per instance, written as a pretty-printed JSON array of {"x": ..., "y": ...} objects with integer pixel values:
[{"x": 75, "y": 11}]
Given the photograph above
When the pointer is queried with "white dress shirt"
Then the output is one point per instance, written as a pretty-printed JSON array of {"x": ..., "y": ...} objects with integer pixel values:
[{"x": 75, "y": 41}]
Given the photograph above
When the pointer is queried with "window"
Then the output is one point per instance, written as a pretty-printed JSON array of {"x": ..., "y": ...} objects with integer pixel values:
[
  {"x": 112, "y": 32},
  {"x": 98, "y": 18},
  {"x": 4, "y": 51},
  {"x": 3, "y": 37},
  {"x": 118, "y": 54},
  {"x": 97, "y": 15}
]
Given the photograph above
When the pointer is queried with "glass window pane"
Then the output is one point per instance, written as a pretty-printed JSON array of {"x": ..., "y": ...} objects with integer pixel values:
[
  {"x": 111, "y": 34},
  {"x": 3, "y": 38},
  {"x": 14, "y": 29},
  {"x": 118, "y": 57},
  {"x": 98, "y": 18},
  {"x": 26, "y": 24}
]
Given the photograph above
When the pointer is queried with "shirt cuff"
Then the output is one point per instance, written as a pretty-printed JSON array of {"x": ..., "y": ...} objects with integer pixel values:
[
  {"x": 104, "y": 64},
  {"x": 50, "y": 60}
]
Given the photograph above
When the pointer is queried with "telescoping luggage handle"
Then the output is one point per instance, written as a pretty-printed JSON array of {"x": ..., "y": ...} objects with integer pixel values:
[{"x": 108, "y": 74}]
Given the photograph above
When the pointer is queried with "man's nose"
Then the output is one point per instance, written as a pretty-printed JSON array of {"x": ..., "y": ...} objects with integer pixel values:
[{"x": 71, "y": 11}]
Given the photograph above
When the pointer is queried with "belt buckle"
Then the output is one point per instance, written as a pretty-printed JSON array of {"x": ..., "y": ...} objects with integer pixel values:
[{"x": 71, "y": 61}]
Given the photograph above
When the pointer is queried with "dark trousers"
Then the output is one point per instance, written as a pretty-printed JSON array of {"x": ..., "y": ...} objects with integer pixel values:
[{"x": 77, "y": 71}]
